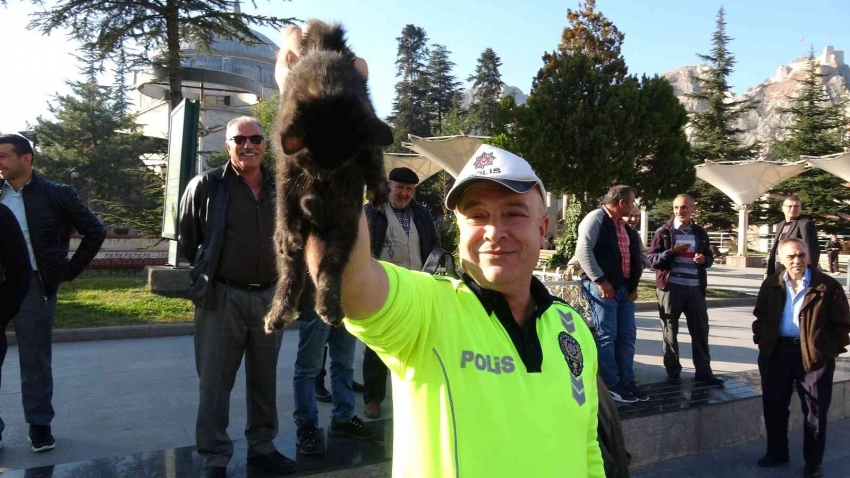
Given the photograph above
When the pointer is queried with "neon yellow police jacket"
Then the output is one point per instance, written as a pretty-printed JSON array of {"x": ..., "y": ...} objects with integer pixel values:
[{"x": 476, "y": 396}]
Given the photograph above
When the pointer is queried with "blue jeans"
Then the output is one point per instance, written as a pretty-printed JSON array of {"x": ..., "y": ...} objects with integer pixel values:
[
  {"x": 34, "y": 331},
  {"x": 313, "y": 333},
  {"x": 616, "y": 333}
]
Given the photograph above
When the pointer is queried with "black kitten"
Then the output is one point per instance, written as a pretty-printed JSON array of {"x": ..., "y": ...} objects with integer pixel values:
[{"x": 329, "y": 146}]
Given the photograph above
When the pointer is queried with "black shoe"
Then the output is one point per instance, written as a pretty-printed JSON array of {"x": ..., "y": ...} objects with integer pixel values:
[
  {"x": 273, "y": 464},
  {"x": 322, "y": 394},
  {"x": 353, "y": 428},
  {"x": 768, "y": 461},
  {"x": 710, "y": 380},
  {"x": 214, "y": 472},
  {"x": 621, "y": 394},
  {"x": 639, "y": 394},
  {"x": 358, "y": 387},
  {"x": 674, "y": 380},
  {"x": 813, "y": 471},
  {"x": 41, "y": 438},
  {"x": 309, "y": 440}
]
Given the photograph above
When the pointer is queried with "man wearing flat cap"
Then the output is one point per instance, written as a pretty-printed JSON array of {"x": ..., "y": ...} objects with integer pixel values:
[{"x": 401, "y": 232}]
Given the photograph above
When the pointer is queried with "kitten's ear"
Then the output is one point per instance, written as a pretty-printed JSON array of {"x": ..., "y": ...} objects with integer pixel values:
[
  {"x": 292, "y": 141},
  {"x": 380, "y": 133}
]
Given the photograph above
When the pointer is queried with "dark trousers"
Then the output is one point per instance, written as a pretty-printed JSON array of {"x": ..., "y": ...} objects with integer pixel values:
[
  {"x": 779, "y": 373},
  {"x": 374, "y": 378},
  {"x": 222, "y": 337},
  {"x": 320, "y": 378},
  {"x": 833, "y": 261},
  {"x": 34, "y": 332},
  {"x": 678, "y": 299}
]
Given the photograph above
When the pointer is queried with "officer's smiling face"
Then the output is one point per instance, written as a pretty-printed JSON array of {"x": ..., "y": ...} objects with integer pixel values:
[{"x": 501, "y": 234}]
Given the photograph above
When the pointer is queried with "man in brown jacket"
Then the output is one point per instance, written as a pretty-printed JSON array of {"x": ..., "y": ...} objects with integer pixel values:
[{"x": 802, "y": 323}]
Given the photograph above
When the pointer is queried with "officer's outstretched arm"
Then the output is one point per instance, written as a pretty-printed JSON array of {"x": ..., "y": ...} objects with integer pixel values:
[{"x": 364, "y": 282}]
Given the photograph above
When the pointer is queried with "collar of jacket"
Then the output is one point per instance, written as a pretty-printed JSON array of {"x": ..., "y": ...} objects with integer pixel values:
[
  {"x": 817, "y": 282},
  {"x": 226, "y": 171},
  {"x": 413, "y": 205},
  {"x": 817, "y": 286},
  {"x": 669, "y": 224},
  {"x": 34, "y": 180},
  {"x": 489, "y": 298}
]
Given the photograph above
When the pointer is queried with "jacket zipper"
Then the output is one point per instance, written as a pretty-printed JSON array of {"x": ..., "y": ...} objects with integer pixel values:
[{"x": 29, "y": 227}]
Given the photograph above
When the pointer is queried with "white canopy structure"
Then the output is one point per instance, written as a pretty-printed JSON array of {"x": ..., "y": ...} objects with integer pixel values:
[
  {"x": 746, "y": 181},
  {"x": 422, "y": 166},
  {"x": 837, "y": 164},
  {"x": 449, "y": 152}
]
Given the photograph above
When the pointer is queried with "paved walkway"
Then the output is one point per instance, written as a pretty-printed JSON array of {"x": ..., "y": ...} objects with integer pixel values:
[
  {"x": 740, "y": 460},
  {"x": 126, "y": 396}
]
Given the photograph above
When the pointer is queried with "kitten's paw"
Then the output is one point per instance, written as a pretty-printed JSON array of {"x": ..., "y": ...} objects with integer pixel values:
[
  {"x": 332, "y": 314},
  {"x": 277, "y": 319}
]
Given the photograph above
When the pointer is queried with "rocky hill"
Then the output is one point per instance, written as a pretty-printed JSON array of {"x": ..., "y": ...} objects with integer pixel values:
[{"x": 765, "y": 124}]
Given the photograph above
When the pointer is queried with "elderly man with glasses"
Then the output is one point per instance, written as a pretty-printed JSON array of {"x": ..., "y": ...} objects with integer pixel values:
[
  {"x": 226, "y": 231},
  {"x": 802, "y": 323}
]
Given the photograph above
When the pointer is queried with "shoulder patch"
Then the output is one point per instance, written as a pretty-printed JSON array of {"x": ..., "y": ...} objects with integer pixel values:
[{"x": 572, "y": 353}]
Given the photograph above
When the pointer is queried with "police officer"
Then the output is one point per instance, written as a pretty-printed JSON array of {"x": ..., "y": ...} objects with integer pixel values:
[{"x": 489, "y": 370}]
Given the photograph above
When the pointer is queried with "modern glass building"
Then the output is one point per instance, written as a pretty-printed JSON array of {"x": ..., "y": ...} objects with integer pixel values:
[{"x": 228, "y": 78}]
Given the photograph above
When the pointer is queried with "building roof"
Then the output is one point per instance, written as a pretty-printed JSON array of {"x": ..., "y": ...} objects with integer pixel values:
[{"x": 230, "y": 46}]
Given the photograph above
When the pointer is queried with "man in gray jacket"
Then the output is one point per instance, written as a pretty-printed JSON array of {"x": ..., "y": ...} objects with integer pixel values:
[{"x": 609, "y": 254}]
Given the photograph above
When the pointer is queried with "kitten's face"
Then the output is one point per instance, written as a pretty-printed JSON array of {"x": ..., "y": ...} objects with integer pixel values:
[{"x": 324, "y": 134}]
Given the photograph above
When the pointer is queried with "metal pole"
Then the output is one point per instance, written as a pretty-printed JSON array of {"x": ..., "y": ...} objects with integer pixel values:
[
  {"x": 644, "y": 226},
  {"x": 743, "y": 225}
]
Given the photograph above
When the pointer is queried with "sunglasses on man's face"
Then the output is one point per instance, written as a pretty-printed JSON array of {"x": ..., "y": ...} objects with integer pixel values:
[{"x": 256, "y": 139}]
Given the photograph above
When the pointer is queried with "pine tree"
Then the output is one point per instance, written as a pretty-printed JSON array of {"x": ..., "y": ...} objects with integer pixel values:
[
  {"x": 121, "y": 72},
  {"x": 588, "y": 125},
  {"x": 442, "y": 84},
  {"x": 592, "y": 34},
  {"x": 486, "y": 90},
  {"x": 715, "y": 138},
  {"x": 819, "y": 124},
  {"x": 818, "y": 128},
  {"x": 410, "y": 109},
  {"x": 458, "y": 120},
  {"x": 96, "y": 148},
  {"x": 107, "y": 27}
]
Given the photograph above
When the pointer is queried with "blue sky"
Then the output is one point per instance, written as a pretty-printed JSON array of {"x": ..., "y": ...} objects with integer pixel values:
[{"x": 661, "y": 35}]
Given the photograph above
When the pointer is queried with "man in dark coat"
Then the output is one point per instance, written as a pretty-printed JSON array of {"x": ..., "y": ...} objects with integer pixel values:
[
  {"x": 15, "y": 273},
  {"x": 46, "y": 213},
  {"x": 794, "y": 227},
  {"x": 802, "y": 323}
]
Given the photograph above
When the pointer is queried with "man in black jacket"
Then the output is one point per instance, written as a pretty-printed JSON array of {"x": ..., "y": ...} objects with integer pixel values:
[
  {"x": 15, "y": 271},
  {"x": 226, "y": 231},
  {"x": 402, "y": 232},
  {"x": 680, "y": 254},
  {"x": 794, "y": 227},
  {"x": 46, "y": 213}
]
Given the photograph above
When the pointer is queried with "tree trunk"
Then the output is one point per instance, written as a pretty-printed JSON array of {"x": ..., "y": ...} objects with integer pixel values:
[{"x": 175, "y": 73}]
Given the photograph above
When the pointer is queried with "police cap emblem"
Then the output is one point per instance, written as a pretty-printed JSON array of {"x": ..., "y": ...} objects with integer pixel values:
[{"x": 572, "y": 353}]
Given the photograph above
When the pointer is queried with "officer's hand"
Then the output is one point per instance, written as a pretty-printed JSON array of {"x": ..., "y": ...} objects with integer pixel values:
[
  {"x": 699, "y": 258},
  {"x": 606, "y": 290},
  {"x": 633, "y": 296}
]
